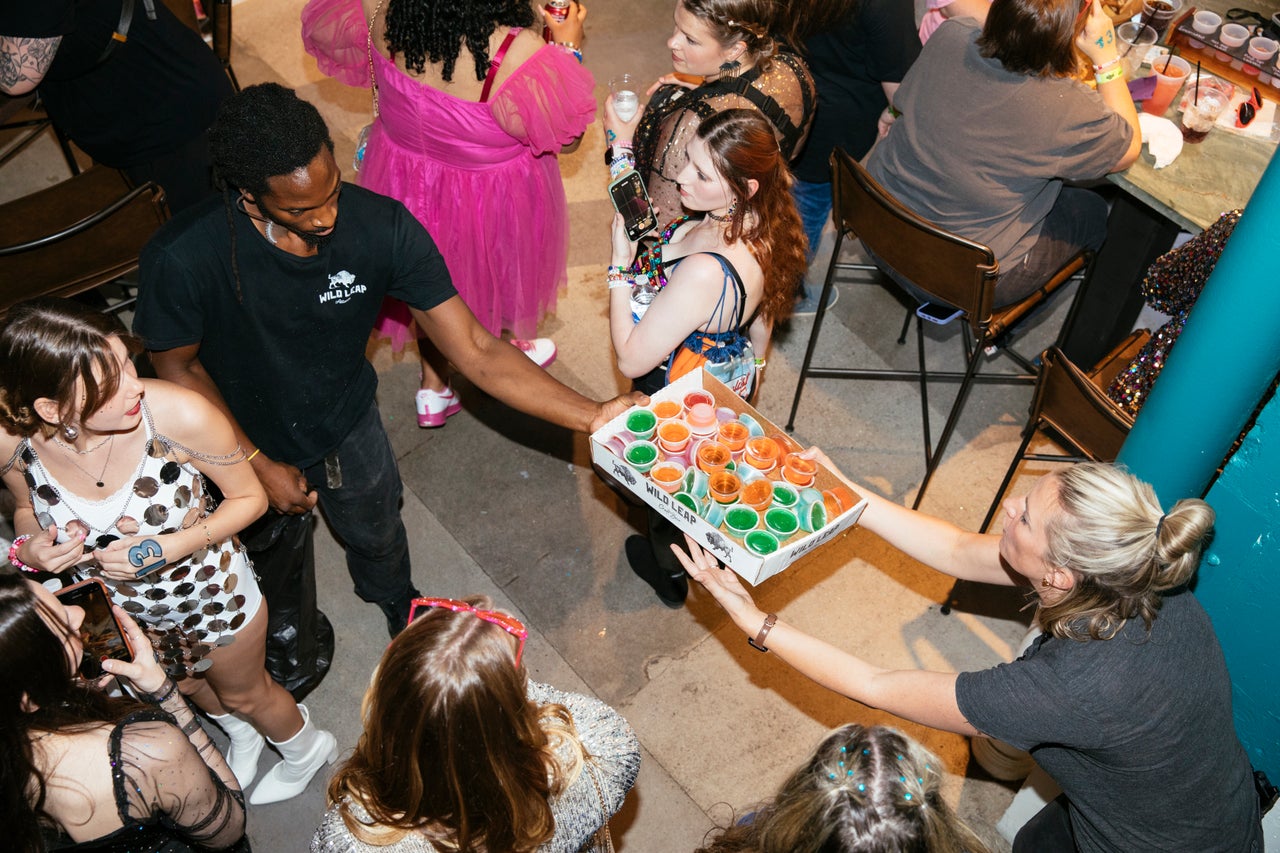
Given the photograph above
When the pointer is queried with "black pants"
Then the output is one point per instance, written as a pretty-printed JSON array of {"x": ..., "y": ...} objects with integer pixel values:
[{"x": 1048, "y": 832}]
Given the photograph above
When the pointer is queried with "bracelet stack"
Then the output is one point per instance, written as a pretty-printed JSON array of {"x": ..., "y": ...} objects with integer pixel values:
[
  {"x": 571, "y": 49},
  {"x": 620, "y": 157},
  {"x": 1108, "y": 71},
  {"x": 14, "y": 560},
  {"x": 618, "y": 278}
]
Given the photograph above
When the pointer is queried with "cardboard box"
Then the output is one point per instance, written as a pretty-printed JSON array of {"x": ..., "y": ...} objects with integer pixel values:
[{"x": 750, "y": 567}]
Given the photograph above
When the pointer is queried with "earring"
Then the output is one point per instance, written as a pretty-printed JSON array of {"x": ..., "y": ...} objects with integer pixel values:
[
  {"x": 1045, "y": 582},
  {"x": 69, "y": 432}
]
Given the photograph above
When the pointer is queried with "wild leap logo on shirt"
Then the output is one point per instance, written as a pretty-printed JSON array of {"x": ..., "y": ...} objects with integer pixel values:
[{"x": 342, "y": 286}]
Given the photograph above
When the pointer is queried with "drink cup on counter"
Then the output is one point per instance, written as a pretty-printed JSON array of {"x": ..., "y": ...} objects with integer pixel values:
[
  {"x": 1171, "y": 73},
  {"x": 626, "y": 100},
  {"x": 1203, "y": 104},
  {"x": 1159, "y": 13},
  {"x": 1205, "y": 23},
  {"x": 1232, "y": 35},
  {"x": 1261, "y": 49},
  {"x": 1136, "y": 40}
]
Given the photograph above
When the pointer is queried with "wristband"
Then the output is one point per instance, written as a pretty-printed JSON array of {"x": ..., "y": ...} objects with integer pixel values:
[
  {"x": 758, "y": 642},
  {"x": 13, "y": 553},
  {"x": 1116, "y": 73},
  {"x": 1098, "y": 69}
]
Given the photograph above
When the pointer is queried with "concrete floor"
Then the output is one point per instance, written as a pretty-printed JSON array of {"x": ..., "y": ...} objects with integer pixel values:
[{"x": 499, "y": 504}]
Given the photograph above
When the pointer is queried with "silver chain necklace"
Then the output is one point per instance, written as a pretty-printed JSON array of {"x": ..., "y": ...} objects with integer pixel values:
[
  {"x": 98, "y": 480},
  {"x": 271, "y": 234},
  {"x": 72, "y": 448}
]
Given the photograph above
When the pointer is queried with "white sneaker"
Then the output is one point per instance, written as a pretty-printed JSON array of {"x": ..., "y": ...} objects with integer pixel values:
[
  {"x": 435, "y": 406},
  {"x": 541, "y": 351}
]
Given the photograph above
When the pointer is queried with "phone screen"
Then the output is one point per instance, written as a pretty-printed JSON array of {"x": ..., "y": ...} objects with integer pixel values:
[
  {"x": 631, "y": 200},
  {"x": 100, "y": 632}
]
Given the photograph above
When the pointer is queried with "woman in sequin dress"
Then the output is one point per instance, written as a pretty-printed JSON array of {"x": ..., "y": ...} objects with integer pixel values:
[
  {"x": 113, "y": 466},
  {"x": 461, "y": 751},
  {"x": 724, "y": 56}
]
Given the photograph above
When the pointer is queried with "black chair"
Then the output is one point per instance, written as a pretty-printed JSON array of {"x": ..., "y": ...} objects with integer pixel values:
[
  {"x": 218, "y": 25},
  {"x": 954, "y": 270},
  {"x": 76, "y": 235},
  {"x": 25, "y": 115}
]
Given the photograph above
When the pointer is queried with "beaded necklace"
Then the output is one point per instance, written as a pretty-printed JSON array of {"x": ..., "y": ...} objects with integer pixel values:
[{"x": 649, "y": 262}]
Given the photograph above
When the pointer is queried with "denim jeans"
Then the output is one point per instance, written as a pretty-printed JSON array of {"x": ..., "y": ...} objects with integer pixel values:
[
  {"x": 814, "y": 203},
  {"x": 1077, "y": 221},
  {"x": 365, "y": 511}
]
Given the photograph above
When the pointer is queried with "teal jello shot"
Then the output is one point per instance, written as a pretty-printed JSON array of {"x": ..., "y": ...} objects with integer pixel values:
[
  {"x": 713, "y": 513},
  {"x": 762, "y": 543},
  {"x": 785, "y": 495},
  {"x": 741, "y": 520},
  {"x": 813, "y": 516},
  {"x": 641, "y": 423},
  {"x": 641, "y": 455},
  {"x": 696, "y": 482},
  {"x": 781, "y": 522}
]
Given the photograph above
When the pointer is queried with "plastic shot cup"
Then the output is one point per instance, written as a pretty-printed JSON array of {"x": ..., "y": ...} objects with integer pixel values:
[
  {"x": 752, "y": 425},
  {"x": 690, "y": 502},
  {"x": 1231, "y": 35},
  {"x": 1159, "y": 13},
  {"x": 1261, "y": 49},
  {"x": 1171, "y": 73},
  {"x": 761, "y": 453},
  {"x": 724, "y": 414},
  {"x": 673, "y": 436},
  {"x": 1205, "y": 23},
  {"x": 1202, "y": 106},
  {"x": 668, "y": 476},
  {"x": 740, "y": 520},
  {"x": 757, "y": 494},
  {"x": 665, "y": 410},
  {"x": 702, "y": 420},
  {"x": 781, "y": 522},
  {"x": 813, "y": 516},
  {"x": 785, "y": 495},
  {"x": 762, "y": 543},
  {"x": 1136, "y": 40},
  {"x": 617, "y": 443},
  {"x": 843, "y": 496},
  {"x": 734, "y": 435},
  {"x": 693, "y": 398},
  {"x": 696, "y": 482},
  {"x": 786, "y": 444},
  {"x": 798, "y": 471},
  {"x": 724, "y": 486},
  {"x": 712, "y": 456},
  {"x": 713, "y": 512},
  {"x": 626, "y": 100},
  {"x": 641, "y": 455},
  {"x": 641, "y": 423}
]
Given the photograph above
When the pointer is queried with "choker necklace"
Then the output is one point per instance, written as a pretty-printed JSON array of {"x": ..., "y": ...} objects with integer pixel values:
[
  {"x": 726, "y": 218},
  {"x": 66, "y": 446},
  {"x": 98, "y": 480},
  {"x": 270, "y": 235}
]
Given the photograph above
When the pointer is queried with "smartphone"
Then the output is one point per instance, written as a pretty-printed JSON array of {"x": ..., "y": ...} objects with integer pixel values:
[
  {"x": 632, "y": 201},
  {"x": 940, "y": 314},
  {"x": 100, "y": 632}
]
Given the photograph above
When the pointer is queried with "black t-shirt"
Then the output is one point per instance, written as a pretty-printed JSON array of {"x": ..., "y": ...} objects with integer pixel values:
[
  {"x": 288, "y": 355},
  {"x": 155, "y": 92},
  {"x": 1137, "y": 730},
  {"x": 876, "y": 44}
]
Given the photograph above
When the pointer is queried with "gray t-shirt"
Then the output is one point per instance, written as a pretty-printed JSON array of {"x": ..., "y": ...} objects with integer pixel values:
[
  {"x": 1136, "y": 729},
  {"x": 982, "y": 152}
]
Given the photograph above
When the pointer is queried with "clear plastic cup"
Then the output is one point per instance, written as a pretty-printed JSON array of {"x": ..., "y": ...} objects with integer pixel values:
[
  {"x": 626, "y": 99},
  {"x": 1202, "y": 106},
  {"x": 1159, "y": 13},
  {"x": 1137, "y": 40},
  {"x": 1171, "y": 73},
  {"x": 1261, "y": 49}
]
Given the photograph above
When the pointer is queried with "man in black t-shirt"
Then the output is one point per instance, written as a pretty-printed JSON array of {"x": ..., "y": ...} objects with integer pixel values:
[
  {"x": 263, "y": 301},
  {"x": 141, "y": 104}
]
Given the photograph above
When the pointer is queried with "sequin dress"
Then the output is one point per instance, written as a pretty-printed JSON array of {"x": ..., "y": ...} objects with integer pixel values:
[{"x": 186, "y": 609}]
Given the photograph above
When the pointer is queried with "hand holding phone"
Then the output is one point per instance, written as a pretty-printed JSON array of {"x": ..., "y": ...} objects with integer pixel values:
[
  {"x": 100, "y": 632},
  {"x": 632, "y": 201}
]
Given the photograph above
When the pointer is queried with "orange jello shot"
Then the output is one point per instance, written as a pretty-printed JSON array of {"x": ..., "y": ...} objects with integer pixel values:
[
  {"x": 757, "y": 494},
  {"x": 799, "y": 471},
  {"x": 713, "y": 456},
  {"x": 667, "y": 476},
  {"x": 724, "y": 486},
  {"x": 761, "y": 453},
  {"x": 665, "y": 410},
  {"x": 734, "y": 435},
  {"x": 673, "y": 436}
]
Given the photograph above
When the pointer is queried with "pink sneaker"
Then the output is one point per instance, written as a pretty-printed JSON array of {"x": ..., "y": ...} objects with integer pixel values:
[
  {"x": 435, "y": 406},
  {"x": 541, "y": 351}
]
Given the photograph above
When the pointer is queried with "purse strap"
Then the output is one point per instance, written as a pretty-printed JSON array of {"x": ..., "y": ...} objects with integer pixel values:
[
  {"x": 496, "y": 62},
  {"x": 373, "y": 84},
  {"x": 603, "y": 838}
]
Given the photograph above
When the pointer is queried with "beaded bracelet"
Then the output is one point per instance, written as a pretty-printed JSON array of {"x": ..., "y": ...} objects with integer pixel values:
[
  {"x": 620, "y": 165},
  {"x": 1116, "y": 73},
  {"x": 570, "y": 48},
  {"x": 14, "y": 560},
  {"x": 167, "y": 689},
  {"x": 1098, "y": 69}
]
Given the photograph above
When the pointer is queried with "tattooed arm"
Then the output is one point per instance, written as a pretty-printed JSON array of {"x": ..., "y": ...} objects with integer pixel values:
[{"x": 24, "y": 62}]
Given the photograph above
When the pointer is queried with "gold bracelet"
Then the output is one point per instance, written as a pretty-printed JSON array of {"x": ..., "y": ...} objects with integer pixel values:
[{"x": 249, "y": 458}]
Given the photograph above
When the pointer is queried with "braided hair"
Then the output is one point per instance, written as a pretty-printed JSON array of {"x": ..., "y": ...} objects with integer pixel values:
[
  {"x": 435, "y": 30},
  {"x": 751, "y": 22},
  {"x": 865, "y": 789}
]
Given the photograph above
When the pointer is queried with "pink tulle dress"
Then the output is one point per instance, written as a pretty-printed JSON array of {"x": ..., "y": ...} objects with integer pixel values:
[{"x": 482, "y": 177}]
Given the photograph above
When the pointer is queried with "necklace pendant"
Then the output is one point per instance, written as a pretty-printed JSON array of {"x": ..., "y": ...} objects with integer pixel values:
[{"x": 101, "y": 485}]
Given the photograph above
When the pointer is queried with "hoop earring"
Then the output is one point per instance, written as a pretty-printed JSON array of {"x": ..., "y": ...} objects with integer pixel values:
[{"x": 69, "y": 432}]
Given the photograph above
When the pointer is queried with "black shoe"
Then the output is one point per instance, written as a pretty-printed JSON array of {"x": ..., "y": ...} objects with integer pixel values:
[
  {"x": 397, "y": 611},
  {"x": 672, "y": 589}
]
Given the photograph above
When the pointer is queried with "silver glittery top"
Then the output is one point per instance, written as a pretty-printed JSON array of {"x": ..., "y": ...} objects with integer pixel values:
[{"x": 615, "y": 756}]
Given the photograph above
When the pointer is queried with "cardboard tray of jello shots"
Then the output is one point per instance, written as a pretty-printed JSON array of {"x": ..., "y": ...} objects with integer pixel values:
[{"x": 683, "y": 493}]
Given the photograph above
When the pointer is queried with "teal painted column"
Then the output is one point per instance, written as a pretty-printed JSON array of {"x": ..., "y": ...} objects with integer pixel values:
[{"x": 1223, "y": 363}]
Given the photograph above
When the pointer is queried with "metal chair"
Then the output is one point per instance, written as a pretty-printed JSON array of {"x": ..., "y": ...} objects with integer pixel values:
[
  {"x": 955, "y": 270},
  {"x": 1074, "y": 404},
  {"x": 76, "y": 235},
  {"x": 26, "y": 115}
]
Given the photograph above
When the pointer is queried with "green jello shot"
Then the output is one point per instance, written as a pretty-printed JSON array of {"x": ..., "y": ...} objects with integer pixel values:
[
  {"x": 762, "y": 543},
  {"x": 641, "y": 423},
  {"x": 641, "y": 455},
  {"x": 781, "y": 522},
  {"x": 741, "y": 520},
  {"x": 785, "y": 495}
]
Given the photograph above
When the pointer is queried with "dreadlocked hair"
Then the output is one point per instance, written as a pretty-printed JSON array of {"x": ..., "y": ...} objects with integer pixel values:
[
  {"x": 863, "y": 790},
  {"x": 262, "y": 132},
  {"x": 743, "y": 148},
  {"x": 435, "y": 30}
]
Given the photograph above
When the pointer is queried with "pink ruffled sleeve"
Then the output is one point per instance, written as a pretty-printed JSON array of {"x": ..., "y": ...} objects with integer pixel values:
[
  {"x": 336, "y": 33},
  {"x": 548, "y": 102}
]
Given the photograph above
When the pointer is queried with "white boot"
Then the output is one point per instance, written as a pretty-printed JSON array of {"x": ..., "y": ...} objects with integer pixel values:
[
  {"x": 304, "y": 754},
  {"x": 246, "y": 746}
]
